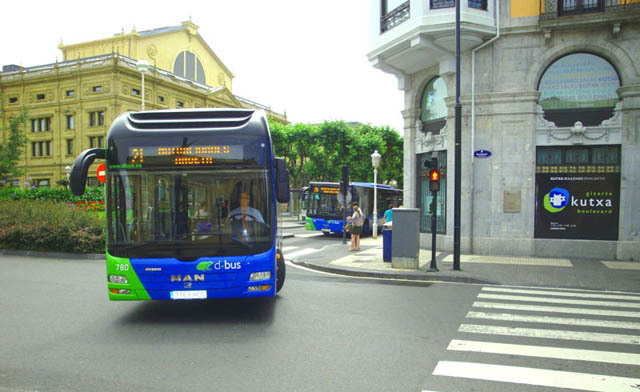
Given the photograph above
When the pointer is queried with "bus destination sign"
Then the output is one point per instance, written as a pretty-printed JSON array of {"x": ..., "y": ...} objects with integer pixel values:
[{"x": 184, "y": 156}]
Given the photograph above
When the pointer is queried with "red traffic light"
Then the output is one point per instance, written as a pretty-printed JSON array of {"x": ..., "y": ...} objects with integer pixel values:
[{"x": 434, "y": 175}]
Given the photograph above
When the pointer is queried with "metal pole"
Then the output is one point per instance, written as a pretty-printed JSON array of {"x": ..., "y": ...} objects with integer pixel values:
[
  {"x": 142, "y": 90},
  {"x": 375, "y": 202},
  {"x": 458, "y": 158},
  {"x": 434, "y": 222}
]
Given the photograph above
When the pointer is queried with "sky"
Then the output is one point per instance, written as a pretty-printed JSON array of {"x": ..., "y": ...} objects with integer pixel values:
[{"x": 305, "y": 58}]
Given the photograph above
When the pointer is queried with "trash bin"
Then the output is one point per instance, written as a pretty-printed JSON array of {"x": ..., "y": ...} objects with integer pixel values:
[{"x": 386, "y": 245}]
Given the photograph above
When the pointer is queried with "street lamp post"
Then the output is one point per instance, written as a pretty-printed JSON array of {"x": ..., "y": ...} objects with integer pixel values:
[
  {"x": 143, "y": 66},
  {"x": 375, "y": 161}
]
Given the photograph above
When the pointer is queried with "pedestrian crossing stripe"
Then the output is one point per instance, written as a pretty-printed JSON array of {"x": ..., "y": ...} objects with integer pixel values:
[
  {"x": 555, "y": 320},
  {"x": 534, "y": 376},
  {"x": 550, "y": 334},
  {"x": 562, "y": 293},
  {"x": 545, "y": 352},
  {"x": 556, "y": 309},
  {"x": 559, "y": 300},
  {"x": 622, "y": 265}
]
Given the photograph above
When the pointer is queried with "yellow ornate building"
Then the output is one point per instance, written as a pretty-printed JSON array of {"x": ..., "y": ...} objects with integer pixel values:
[{"x": 70, "y": 104}]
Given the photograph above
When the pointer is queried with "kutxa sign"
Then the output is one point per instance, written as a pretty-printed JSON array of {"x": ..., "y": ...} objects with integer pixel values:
[{"x": 577, "y": 206}]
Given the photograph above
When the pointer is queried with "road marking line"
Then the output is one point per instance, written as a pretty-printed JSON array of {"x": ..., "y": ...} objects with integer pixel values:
[
  {"x": 565, "y": 289},
  {"x": 623, "y": 265},
  {"x": 540, "y": 377},
  {"x": 550, "y": 334},
  {"x": 562, "y": 294},
  {"x": 510, "y": 260},
  {"x": 545, "y": 352},
  {"x": 556, "y": 309},
  {"x": 288, "y": 248},
  {"x": 301, "y": 252},
  {"x": 555, "y": 320},
  {"x": 307, "y": 235},
  {"x": 560, "y": 300}
]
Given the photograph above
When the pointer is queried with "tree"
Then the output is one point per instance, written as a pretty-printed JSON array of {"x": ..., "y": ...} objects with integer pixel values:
[
  {"x": 11, "y": 151},
  {"x": 317, "y": 152}
]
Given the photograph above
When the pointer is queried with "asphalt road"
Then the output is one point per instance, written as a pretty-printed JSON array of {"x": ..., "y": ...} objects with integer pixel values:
[{"x": 59, "y": 332}]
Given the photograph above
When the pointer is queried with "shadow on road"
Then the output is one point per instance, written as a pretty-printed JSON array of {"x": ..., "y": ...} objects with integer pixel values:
[{"x": 259, "y": 311}]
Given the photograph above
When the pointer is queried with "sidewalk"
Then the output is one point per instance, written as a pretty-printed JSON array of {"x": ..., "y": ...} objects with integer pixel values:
[{"x": 502, "y": 270}]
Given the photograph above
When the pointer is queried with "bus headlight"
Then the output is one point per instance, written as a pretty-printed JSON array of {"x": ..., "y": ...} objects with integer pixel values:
[
  {"x": 264, "y": 275},
  {"x": 117, "y": 279}
]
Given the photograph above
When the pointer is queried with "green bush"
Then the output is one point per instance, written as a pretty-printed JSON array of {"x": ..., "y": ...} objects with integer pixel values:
[
  {"x": 45, "y": 225},
  {"x": 52, "y": 194}
]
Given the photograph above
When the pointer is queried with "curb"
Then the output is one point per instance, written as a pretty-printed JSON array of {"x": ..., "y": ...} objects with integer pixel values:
[{"x": 393, "y": 276}]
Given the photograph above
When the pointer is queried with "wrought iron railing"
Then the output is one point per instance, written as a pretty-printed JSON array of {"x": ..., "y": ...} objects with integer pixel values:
[
  {"x": 394, "y": 17},
  {"x": 555, "y": 8}
]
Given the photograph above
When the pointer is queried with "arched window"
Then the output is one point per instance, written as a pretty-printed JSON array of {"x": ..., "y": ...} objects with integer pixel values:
[
  {"x": 579, "y": 87},
  {"x": 188, "y": 65},
  {"x": 433, "y": 110}
]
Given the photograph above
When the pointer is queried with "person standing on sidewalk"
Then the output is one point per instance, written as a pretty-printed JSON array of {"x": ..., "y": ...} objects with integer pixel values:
[
  {"x": 388, "y": 214},
  {"x": 357, "y": 220}
]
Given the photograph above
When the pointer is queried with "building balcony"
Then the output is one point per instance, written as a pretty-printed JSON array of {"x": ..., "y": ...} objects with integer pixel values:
[
  {"x": 572, "y": 13},
  {"x": 417, "y": 34}
]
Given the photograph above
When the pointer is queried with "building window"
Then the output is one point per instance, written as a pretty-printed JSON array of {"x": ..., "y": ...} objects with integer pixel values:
[
  {"x": 478, "y": 4},
  {"x": 40, "y": 97},
  {"x": 179, "y": 104},
  {"x": 41, "y": 149},
  {"x": 96, "y": 118},
  {"x": 97, "y": 89},
  {"x": 393, "y": 13},
  {"x": 425, "y": 196},
  {"x": 160, "y": 99},
  {"x": 42, "y": 124},
  {"x": 96, "y": 141},
  {"x": 70, "y": 93},
  {"x": 13, "y": 99},
  {"x": 70, "y": 121},
  {"x": 188, "y": 65},
  {"x": 69, "y": 146},
  {"x": 135, "y": 91},
  {"x": 433, "y": 109},
  {"x": 579, "y": 87},
  {"x": 435, "y": 4},
  {"x": 92, "y": 181},
  {"x": 566, "y": 7},
  {"x": 42, "y": 182}
]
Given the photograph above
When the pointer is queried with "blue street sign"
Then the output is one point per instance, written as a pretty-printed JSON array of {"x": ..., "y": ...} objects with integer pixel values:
[{"x": 482, "y": 154}]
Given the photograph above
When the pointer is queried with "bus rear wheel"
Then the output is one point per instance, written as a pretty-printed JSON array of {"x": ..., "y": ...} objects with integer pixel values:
[{"x": 280, "y": 271}]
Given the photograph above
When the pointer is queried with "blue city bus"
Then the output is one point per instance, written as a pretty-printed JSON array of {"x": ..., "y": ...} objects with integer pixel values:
[
  {"x": 190, "y": 205},
  {"x": 324, "y": 211}
]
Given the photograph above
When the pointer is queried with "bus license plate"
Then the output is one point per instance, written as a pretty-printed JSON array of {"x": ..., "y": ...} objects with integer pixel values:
[{"x": 191, "y": 294}]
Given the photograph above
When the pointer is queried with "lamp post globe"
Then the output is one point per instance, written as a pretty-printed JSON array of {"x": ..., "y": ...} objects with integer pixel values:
[
  {"x": 143, "y": 66},
  {"x": 375, "y": 162}
]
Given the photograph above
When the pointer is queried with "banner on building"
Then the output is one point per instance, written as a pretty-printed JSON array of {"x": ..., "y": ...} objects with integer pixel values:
[{"x": 577, "y": 206}]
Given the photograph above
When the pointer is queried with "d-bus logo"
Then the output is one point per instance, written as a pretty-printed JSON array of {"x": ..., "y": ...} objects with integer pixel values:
[{"x": 556, "y": 200}]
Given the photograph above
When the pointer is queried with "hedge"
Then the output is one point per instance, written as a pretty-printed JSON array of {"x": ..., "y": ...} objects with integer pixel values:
[{"x": 46, "y": 225}]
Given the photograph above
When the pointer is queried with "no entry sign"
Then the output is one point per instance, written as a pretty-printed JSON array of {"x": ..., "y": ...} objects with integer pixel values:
[{"x": 101, "y": 173}]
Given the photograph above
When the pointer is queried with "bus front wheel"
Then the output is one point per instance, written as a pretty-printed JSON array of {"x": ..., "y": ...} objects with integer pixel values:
[{"x": 280, "y": 271}]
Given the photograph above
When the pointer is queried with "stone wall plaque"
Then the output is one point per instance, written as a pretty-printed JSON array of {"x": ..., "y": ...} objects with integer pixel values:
[{"x": 511, "y": 201}]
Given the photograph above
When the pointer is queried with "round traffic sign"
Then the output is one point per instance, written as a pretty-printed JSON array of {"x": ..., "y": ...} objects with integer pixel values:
[{"x": 101, "y": 173}]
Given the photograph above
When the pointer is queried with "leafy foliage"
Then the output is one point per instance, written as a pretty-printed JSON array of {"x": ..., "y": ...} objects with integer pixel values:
[
  {"x": 317, "y": 152},
  {"x": 10, "y": 152},
  {"x": 91, "y": 194},
  {"x": 50, "y": 226}
]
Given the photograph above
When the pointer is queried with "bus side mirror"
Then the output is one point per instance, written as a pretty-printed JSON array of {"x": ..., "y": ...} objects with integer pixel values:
[
  {"x": 282, "y": 181},
  {"x": 78, "y": 176}
]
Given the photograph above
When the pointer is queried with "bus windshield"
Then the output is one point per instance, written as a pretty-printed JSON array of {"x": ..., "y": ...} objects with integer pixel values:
[{"x": 187, "y": 214}]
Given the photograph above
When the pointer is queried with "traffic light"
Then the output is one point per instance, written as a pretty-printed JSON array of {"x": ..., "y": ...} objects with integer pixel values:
[
  {"x": 344, "y": 182},
  {"x": 434, "y": 180}
]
